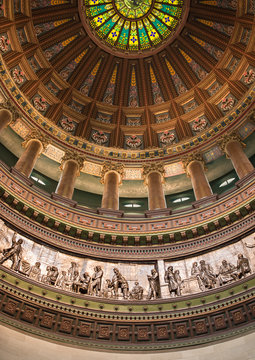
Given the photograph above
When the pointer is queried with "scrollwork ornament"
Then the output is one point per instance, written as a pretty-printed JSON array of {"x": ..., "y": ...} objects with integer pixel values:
[
  {"x": 154, "y": 167},
  {"x": 36, "y": 135},
  {"x": 227, "y": 138},
  {"x": 110, "y": 166},
  {"x": 190, "y": 158},
  {"x": 74, "y": 156}
]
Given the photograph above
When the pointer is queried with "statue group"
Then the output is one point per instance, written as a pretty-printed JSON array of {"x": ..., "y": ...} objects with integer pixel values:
[{"x": 118, "y": 287}]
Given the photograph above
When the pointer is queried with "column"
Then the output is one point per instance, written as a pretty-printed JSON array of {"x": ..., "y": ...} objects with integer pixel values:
[
  {"x": 71, "y": 165},
  {"x": 233, "y": 147},
  {"x": 34, "y": 145},
  {"x": 111, "y": 177},
  {"x": 154, "y": 178},
  {"x": 8, "y": 114},
  {"x": 195, "y": 168}
]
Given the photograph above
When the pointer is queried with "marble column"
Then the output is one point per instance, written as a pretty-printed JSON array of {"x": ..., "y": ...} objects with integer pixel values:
[
  {"x": 233, "y": 147},
  {"x": 34, "y": 145},
  {"x": 5, "y": 118},
  {"x": 111, "y": 177},
  {"x": 195, "y": 168},
  {"x": 71, "y": 165},
  {"x": 154, "y": 178},
  {"x": 8, "y": 114}
]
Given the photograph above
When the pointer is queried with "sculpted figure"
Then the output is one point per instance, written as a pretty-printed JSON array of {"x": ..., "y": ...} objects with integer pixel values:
[
  {"x": 72, "y": 270},
  {"x": 108, "y": 289},
  {"x": 35, "y": 271},
  {"x": 227, "y": 273},
  {"x": 206, "y": 277},
  {"x": 174, "y": 281},
  {"x": 63, "y": 281},
  {"x": 46, "y": 277},
  {"x": 118, "y": 281},
  {"x": 137, "y": 292},
  {"x": 85, "y": 284},
  {"x": 13, "y": 253},
  {"x": 154, "y": 285},
  {"x": 96, "y": 280},
  {"x": 52, "y": 275},
  {"x": 243, "y": 266}
]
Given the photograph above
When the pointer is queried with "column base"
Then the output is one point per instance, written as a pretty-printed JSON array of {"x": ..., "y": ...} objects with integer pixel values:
[
  {"x": 158, "y": 213},
  {"x": 63, "y": 200},
  {"x": 21, "y": 176},
  {"x": 110, "y": 212},
  {"x": 205, "y": 201},
  {"x": 245, "y": 179}
]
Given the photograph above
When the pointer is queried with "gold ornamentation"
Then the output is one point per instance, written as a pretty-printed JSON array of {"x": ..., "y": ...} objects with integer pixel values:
[
  {"x": 190, "y": 158},
  {"x": 36, "y": 135},
  {"x": 115, "y": 167},
  {"x": 226, "y": 139},
  {"x": 8, "y": 105},
  {"x": 72, "y": 155},
  {"x": 157, "y": 167}
]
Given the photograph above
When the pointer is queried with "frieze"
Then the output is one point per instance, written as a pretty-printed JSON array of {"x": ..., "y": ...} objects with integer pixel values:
[{"x": 127, "y": 280}]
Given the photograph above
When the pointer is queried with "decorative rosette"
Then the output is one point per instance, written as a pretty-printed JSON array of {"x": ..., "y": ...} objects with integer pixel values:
[
  {"x": 167, "y": 137},
  {"x": 133, "y": 141},
  {"x": 18, "y": 76},
  {"x": 67, "y": 124},
  {"x": 199, "y": 124},
  {"x": 249, "y": 76},
  {"x": 99, "y": 137},
  {"x": 4, "y": 43},
  {"x": 40, "y": 103},
  {"x": 227, "y": 103}
]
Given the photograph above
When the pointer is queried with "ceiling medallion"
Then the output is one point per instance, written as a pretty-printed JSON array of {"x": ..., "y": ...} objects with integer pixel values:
[{"x": 133, "y": 28}]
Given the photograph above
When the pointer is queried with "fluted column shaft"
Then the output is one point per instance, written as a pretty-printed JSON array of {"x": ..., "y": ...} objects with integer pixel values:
[
  {"x": 27, "y": 161},
  {"x": 67, "y": 180},
  {"x": 199, "y": 180},
  {"x": 110, "y": 198},
  {"x": 156, "y": 194},
  {"x": 5, "y": 118},
  {"x": 239, "y": 159}
]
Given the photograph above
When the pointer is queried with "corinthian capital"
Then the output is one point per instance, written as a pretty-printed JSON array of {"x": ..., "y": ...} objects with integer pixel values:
[
  {"x": 224, "y": 140},
  {"x": 157, "y": 167},
  {"x": 115, "y": 167},
  {"x": 190, "y": 158},
  {"x": 74, "y": 156},
  {"x": 8, "y": 105},
  {"x": 36, "y": 135}
]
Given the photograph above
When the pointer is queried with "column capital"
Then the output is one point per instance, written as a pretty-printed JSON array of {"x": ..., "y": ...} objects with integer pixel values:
[
  {"x": 157, "y": 167},
  {"x": 190, "y": 158},
  {"x": 225, "y": 139},
  {"x": 74, "y": 156},
  {"x": 108, "y": 166},
  {"x": 8, "y": 105},
  {"x": 36, "y": 135}
]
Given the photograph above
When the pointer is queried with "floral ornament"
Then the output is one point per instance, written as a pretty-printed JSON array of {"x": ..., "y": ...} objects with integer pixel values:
[
  {"x": 4, "y": 43},
  {"x": 249, "y": 76},
  {"x": 18, "y": 76},
  {"x": 199, "y": 124},
  {"x": 167, "y": 137},
  {"x": 40, "y": 103},
  {"x": 133, "y": 142},
  {"x": 99, "y": 137},
  {"x": 67, "y": 124},
  {"x": 227, "y": 103}
]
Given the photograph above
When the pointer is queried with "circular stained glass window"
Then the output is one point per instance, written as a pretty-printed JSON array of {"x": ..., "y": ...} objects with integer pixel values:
[{"x": 132, "y": 26}]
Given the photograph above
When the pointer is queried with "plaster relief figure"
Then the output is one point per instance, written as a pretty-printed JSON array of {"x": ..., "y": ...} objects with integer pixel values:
[
  {"x": 85, "y": 284},
  {"x": 14, "y": 253},
  {"x": 119, "y": 281},
  {"x": 137, "y": 292},
  {"x": 154, "y": 285},
  {"x": 174, "y": 281},
  {"x": 96, "y": 281},
  {"x": 243, "y": 266},
  {"x": 63, "y": 281},
  {"x": 108, "y": 291},
  {"x": 227, "y": 273},
  {"x": 204, "y": 274},
  {"x": 35, "y": 271}
]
